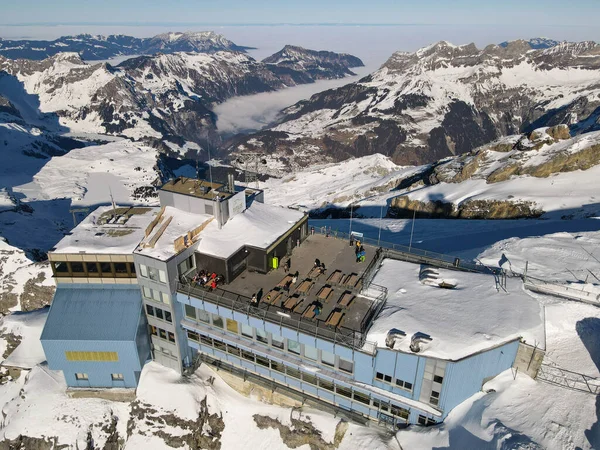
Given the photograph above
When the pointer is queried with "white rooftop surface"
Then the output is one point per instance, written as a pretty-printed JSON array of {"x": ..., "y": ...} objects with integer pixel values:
[
  {"x": 472, "y": 317},
  {"x": 109, "y": 238},
  {"x": 258, "y": 226},
  {"x": 181, "y": 223}
]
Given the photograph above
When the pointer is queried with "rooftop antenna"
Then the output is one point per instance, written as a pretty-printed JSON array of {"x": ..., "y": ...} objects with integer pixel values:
[{"x": 112, "y": 200}]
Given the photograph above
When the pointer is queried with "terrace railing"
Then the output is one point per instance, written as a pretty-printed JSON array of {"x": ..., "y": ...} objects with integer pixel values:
[
  {"x": 240, "y": 303},
  {"x": 569, "y": 379}
]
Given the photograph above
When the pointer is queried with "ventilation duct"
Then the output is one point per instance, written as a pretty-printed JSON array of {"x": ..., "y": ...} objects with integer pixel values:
[
  {"x": 393, "y": 335},
  {"x": 417, "y": 340}
]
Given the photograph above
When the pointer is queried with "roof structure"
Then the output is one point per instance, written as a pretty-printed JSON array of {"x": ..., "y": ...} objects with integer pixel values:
[
  {"x": 258, "y": 226},
  {"x": 471, "y": 317},
  {"x": 108, "y": 231},
  {"x": 94, "y": 312},
  {"x": 172, "y": 224},
  {"x": 197, "y": 188}
]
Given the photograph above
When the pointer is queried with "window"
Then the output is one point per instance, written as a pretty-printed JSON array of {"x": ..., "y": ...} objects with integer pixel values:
[
  {"x": 91, "y": 356},
  {"x": 131, "y": 268},
  {"x": 435, "y": 394},
  {"x": 438, "y": 379},
  {"x": 435, "y": 398},
  {"x": 327, "y": 358},
  {"x": 307, "y": 378},
  {"x": 162, "y": 276},
  {"x": 155, "y": 295},
  {"x": 232, "y": 325},
  {"x": 120, "y": 268},
  {"x": 165, "y": 298},
  {"x": 233, "y": 350},
  {"x": 203, "y": 315},
  {"x": 147, "y": 292},
  {"x": 81, "y": 376},
  {"x": 379, "y": 376},
  {"x": 220, "y": 346},
  {"x": 293, "y": 347},
  {"x": 171, "y": 337},
  {"x": 117, "y": 377},
  {"x": 186, "y": 265},
  {"x": 277, "y": 366},
  {"x": 400, "y": 412},
  {"x": 427, "y": 421},
  {"x": 190, "y": 312},
  {"x": 217, "y": 321},
  {"x": 404, "y": 384},
  {"x": 363, "y": 398},
  {"x": 387, "y": 378},
  {"x": 247, "y": 331},
  {"x": 92, "y": 268},
  {"x": 206, "y": 340},
  {"x": 153, "y": 330},
  {"x": 261, "y": 336},
  {"x": 262, "y": 361},
  {"x": 106, "y": 268},
  {"x": 293, "y": 372},
  {"x": 193, "y": 336},
  {"x": 162, "y": 333},
  {"x": 346, "y": 366},
  {"x": 247, "y": 355},
  {"x": 277, "y": 341},
  {"x": 325, "y": 384},
  {"x": 159, "y": 314},
  {"x": 60, "y": 267},
  {"x": 144, "y": 271},
  {"x": 310, "y": 352},
  {"x": 77, "y": 267},
  {"x": 408, "y": 385},
  {"x": 346, "y": 392},
  {"x": 150, "y": 310}
]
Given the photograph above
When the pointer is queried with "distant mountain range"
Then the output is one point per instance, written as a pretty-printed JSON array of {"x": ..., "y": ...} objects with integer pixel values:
[
  {"x": 536, "y": 43},
  {"x": 439, "y": 101},
  {"x": 92, "y": 48}
]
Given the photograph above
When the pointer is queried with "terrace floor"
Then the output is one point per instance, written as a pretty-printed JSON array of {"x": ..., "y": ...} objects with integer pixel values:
[{"x": 335, "y": 292}]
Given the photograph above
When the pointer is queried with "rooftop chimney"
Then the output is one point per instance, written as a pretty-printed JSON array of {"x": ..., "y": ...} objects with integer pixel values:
[
  {"x": 393, "y": 335},
  {"x": 418, "y": 339}
]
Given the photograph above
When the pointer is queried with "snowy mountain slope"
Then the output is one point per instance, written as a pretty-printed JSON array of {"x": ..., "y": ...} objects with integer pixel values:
[
  {"x": 104, "y": 47},
  {"x": 440, "y": 101},
  {"x": 536, "y": 43},
  {"x": 152, "y": 97}
]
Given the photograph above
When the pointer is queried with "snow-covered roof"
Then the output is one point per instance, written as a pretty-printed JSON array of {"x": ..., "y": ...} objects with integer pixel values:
[
  {"x": 103, "y": 232},
  {"x": 180, "y": 223},
  {"x": 473, "y": 316},
  {"x": 258, "y": 226}
]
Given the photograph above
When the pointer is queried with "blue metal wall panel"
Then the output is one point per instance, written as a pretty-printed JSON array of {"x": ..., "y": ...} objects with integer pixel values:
[
  {"x": 99, "y": 373},
  {"x": 363, "y": 367},
  {"x": 465, "y": 378},
  {"x": 325, "y": 395}
]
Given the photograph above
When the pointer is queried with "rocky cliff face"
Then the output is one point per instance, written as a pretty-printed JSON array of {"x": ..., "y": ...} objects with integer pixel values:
[
  {"x": 104, "y": 47},
  {"x": 440, "y": 101}
]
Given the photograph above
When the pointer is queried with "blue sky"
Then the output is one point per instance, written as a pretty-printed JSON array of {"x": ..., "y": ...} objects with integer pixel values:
[{"x": 578, "y": 13}]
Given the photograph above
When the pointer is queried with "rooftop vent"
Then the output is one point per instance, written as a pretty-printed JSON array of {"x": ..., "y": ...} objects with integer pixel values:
[
  {"x": 393, "y": 335},
  {"x": 417, "y": 340}
]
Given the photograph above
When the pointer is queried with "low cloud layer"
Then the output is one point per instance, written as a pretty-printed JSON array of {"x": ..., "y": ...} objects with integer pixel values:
[{"x": 253, "y": 112}]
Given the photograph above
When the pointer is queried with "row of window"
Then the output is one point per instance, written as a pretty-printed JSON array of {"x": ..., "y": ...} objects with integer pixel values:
[
  {"x": 153, "y": 274},
  {"x": 397, "y": 382},
  {"x": 92, "y": 356},
  {"x": 163, "y": 334},
  {"x": 159, "y": 313},
  {"x": 93, "y": 269},
  {"x": 343, "y": 391},
  {"x": 156, "y": 295},
  {"x": 422, "y": 420},
  {"x": 114, "y": 376},
  {"x": 294, "y": 347}
]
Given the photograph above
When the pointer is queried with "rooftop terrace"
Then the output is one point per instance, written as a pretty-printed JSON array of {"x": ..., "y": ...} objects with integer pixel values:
[
  {"x": 108, "y": 231},
  {"x": 345, "y": 314},
  {"x": 197, "y": 188}
]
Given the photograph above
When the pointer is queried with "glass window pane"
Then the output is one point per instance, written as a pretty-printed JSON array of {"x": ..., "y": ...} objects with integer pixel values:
[
  {"x": 143, "y": 271},
  {"x": 155, "y": 295},
  {"x": 92, "y": 267},
  {"x": 192, "y": 336},
  {"x": 346, "y": 366},
  {"x": 277, "y": 341},
  {"x": 171, "y": 337},
  {"x": 407, "y": 385},
  {"x": 132, "y": 268},
  {"x": 438, "y": 379},
  {"x": 247, "y": 331},
  {"x": 77, "y": 267},
  {"x": 106, "y": 268},
  {"x": 162, "y": 333},
  {"x": 149, "y": 310},
  {"x": 232, "y": 326},
  {"x": 262, "y": 361},
  {"x": 159, "y": 313},
  {"x": 293, "y": 347},
  {"x": 147, "y": 292},
  {"x": 120, "y": 267},
  {"x": 162, "y": 276},
  {"x": 217, "y": 321},
  {"x": 346, "y": 392},
  {"x": 153, "y": 330},
  {"x": 310, "y": 352},
  {"x": 327, "y": 358},
  {"x": 153, "y": 273},
  {"x": 203, "y": 315},
  {"x": 190, "y": 312},
  {"x": 168, "y": 317},
  {"x": 166, "y": 299},
  {"x": 261, "y": 336},
  {"x": 60, "y": 267}
]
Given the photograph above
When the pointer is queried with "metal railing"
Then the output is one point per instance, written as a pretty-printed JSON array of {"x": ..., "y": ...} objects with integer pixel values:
[
  {"x": 412, "y": 254},
  {"x": 560, "y": 290},
  {"x": 240, "y": 303},
  {"x": 569, "y": 379}
]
